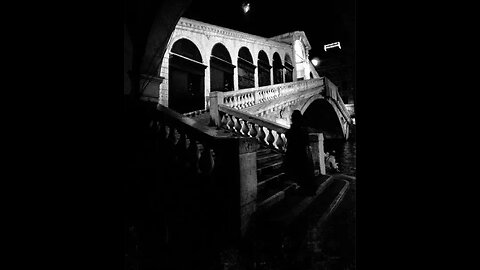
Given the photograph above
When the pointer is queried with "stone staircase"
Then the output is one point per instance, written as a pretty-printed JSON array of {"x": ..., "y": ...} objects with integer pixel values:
[{"x": 273, "y": 186}]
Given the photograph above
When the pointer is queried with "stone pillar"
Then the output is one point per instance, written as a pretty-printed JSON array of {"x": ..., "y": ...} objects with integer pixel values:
[
  {"x": 318, "y": 155},
  {"x": 207, "y": 87},
  {"x": 236, "y": 180},
  {"x": 152, "y": 87},
  {"x": 271, "y": 76},
  {"x": 247, "y": 162},
  {"x": 235, "y": 75},
  {"x": 216, "y": 98},
  {"x": 255, "y": 76}
]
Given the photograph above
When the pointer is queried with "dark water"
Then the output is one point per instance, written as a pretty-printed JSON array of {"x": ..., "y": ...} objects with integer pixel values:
[{"x": 345, "y": 154}]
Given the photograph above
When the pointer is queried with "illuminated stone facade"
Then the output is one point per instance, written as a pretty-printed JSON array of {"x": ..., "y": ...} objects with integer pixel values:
[{"x": 243, "y": 52}]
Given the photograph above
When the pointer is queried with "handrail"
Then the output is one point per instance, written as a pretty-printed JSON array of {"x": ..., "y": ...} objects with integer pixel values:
[
  {"x": 253, "y": 118},
  {"x": 245, "y": 98},
  {"x": 200, "y": 131},
  {"x": 268, "y": 133}
]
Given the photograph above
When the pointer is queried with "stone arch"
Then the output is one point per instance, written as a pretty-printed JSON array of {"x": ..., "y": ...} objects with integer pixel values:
[
  {"x": 246, "y": 69},
  {"x": 277, "y": 69},
  {"x": 264, "y": 67},
  {"x": 320, "y": 114},
  {"x": 288, "y": 68},
  {"x": 221, "y": 68},
  {"x": 186, "y": 76}
]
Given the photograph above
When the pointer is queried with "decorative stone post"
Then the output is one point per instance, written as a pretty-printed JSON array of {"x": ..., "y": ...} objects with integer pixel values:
[
  {"x": 318, "y": 156},
  {"x": 151, "y": 85},
  {"x": 237, "y": 178},
  {"x": 216, "y": 98}
]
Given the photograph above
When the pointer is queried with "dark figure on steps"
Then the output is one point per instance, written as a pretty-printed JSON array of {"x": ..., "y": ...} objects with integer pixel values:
[{"x": 298, "y": 158}]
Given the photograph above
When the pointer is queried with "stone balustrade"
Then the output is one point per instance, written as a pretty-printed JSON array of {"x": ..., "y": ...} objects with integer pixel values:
[
  {"x": 267, "y": 133},
  {"x": 228, "y": 163},
  {"x": 245, "y": 98},
  {"x": 332, "y": 93}
]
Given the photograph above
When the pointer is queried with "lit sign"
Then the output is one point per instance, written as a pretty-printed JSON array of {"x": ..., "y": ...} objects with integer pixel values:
[{"x": 332, "y": 45}]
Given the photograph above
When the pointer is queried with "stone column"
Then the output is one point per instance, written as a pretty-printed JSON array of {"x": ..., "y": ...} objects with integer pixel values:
[
  {"x": 271, "y": 76},
  {"x": 207, "y": 86},
  {"x": 216, "y": 98},
  {"x": 318, "y": 155},
  {"x": 255, "y": 76},
  {"x": 235, "y": 74}
]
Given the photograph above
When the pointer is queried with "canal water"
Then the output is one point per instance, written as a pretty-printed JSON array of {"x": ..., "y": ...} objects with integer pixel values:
[{"x": 345, "y": 154}]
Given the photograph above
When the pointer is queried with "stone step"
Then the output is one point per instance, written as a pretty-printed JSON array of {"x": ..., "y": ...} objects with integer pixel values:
[
  {"x": 270, "y": 180},
  {"x": 268, "y": 158},
  {"x": 282, "y": 215},
  {"x": 264, "y": 151},
  {"x": 271, "y": 197},
  {"x": 270, "y": 167}
]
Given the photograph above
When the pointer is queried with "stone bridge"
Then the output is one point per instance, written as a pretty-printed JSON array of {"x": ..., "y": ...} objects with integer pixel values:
[{"x": 317, "y": 99}]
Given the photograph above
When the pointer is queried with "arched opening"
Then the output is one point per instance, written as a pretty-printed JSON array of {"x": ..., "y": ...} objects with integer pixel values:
[
  {"x": 221, "y": 69},
  {"x": 288, "y": 69},
  {"x": 299, "y": 59},
  {"x": 321, "y": 116},
  {"x": 263, "y": 69},
  {"x": 186, "y": 77},
  {"x": 311, "y": 75},
  {"x": 246, "y": 69},
  {"x": 277, "y": 69}
]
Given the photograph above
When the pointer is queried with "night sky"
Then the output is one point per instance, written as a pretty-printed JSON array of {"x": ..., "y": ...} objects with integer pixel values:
[{"x": 323, "y": 21}]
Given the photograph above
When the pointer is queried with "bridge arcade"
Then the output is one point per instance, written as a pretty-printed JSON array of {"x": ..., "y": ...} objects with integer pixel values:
[{"x": 201, "y": 58}]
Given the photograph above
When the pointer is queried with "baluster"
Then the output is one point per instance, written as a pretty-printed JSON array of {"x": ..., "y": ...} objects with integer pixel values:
[
  {"x": 161, "y": 131},
  {"x": 206, "y": 162},
  {"x": 252, "y": 99},
  {"x": 253, "y": 131},
  {"x": 261, "y": 134},
  {"x": 238, "y": 126},
  {"x": 181, "y": 145},
  {"x": 235, "y": 102},
  {"x": 279, "y": 143},
  {"x": 270, "y": 138},
  {"x": 224, "y": 121},
  {"x": 230, "y": 123},
  {"x": 192, "y": 153},
  {"x": 171, "y": 135},
  {"x": 285, "y": 144},
  {"x": 245, "y": 128},
  {"x": 241, "y": 101}
]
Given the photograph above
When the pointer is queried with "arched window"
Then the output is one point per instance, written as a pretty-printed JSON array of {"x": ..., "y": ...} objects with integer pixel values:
[
  {"x": 221, "y": 69},
  {"x": 299, "y": 59},
  {"x": 277, "y": 69},
  {"x": 264, "y": 67},
  {"x": 288, "y": 69},
  {"x": 246, "y": 69},
  {"x": 186, "y": 77}
]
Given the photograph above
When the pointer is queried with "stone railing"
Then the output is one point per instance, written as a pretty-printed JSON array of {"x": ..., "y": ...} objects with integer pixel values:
[
  {"x": 227, "y": 163},
  {"x": 245, "y": 98},
  {"x": 267, "y": 133},
  {"x": 196, "y": 113},
  {"x": 331, "y": 91}
]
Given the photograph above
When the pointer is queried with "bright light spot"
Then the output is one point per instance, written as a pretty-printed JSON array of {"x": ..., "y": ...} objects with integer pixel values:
[
  {"x": 246, "y": 7},
  {"x": 316, "y": 61}
]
